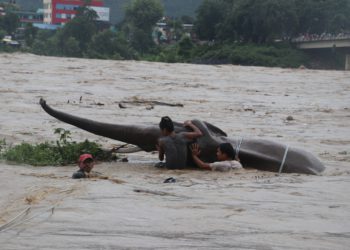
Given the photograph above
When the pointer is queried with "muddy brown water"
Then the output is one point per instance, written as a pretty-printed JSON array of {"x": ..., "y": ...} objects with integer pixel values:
[{"x": 247, "y": 209}]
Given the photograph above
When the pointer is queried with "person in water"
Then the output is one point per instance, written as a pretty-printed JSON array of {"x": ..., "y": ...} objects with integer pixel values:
[
  {"x": 86, "y": 163},
  {"x": 225, "y": 155},
  {"x": 174, "y": 145}
]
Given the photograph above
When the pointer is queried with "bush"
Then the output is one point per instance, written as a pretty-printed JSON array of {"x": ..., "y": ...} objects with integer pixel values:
[
  {"x": 62, "y": 152},
  {"x": 39, "y": 47},
  {"x": 185, "y": 47},
  {"x": 250, "y": 54},
  {"x": 8, "y": 49},
  {"x": 71, "y": 47},
  {"x": 169, "y": 55},
  {"x": 2, "y": 34},
  {"x": 109, "y": 45}
]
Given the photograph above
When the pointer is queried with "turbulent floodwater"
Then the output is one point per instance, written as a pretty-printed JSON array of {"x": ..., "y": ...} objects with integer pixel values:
[{"x": 42, "y": 208}]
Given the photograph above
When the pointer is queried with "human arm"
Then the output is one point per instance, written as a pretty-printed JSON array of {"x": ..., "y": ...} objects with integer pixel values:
[
  {"x": 195, "y": 133},
  {"x": 160, "y": 149},
  {"x": 195, "y": 155}
]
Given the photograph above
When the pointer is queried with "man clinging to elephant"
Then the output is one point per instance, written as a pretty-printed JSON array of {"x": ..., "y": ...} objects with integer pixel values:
[{"x": 174, "y": 145}]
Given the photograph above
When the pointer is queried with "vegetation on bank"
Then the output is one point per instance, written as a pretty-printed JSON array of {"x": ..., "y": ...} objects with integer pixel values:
[
  {"x": 63, "y": 151},
  {"x": 241, "y": 32},
  {"x": 231, "y": 53}
]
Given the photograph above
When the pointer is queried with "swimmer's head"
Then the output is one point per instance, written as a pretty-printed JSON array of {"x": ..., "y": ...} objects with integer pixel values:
[
  {"x": 166, "y": 125},
  {"x": 86, "y": 162},
  {"x": 225, "y": 152}
]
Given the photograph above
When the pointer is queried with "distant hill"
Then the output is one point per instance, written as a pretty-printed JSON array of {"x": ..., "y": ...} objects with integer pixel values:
[{"x": 175, "y": 8}]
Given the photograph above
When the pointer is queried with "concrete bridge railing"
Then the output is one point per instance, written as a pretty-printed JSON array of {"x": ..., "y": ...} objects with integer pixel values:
[{"x": 325, "y": 42}]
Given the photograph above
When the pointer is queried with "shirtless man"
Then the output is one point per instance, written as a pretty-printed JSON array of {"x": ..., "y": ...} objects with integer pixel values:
[
  {"x": 174, "y": 146},
  {"x": 225, "y": 155}
]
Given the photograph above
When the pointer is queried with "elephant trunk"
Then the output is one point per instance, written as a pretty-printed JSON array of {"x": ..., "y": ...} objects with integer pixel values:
[{"x": 143, "y": 136}]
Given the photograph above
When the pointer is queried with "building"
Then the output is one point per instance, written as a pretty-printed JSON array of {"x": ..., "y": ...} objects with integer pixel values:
[
  {"x": 61, "y": 11},
  {"x": 30, "y": 17}
]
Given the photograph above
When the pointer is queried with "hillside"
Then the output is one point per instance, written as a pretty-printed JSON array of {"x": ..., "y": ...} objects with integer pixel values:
[{"x": 176, "y": 8}]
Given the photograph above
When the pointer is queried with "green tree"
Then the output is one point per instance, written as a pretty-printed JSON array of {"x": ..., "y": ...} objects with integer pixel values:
[
  {"x": 39, "y": 47},
  {"x": 210, "y": 15},
  {"x": 2, "y": 33},
  {"x": 71, "y": 47},
  {"x": 10, "y": 6},
  {"x": 82, "y": 28},
  {"x": 46, "y": 43},
  {"x": 144, "y": 13},
  {"x": 53, "y": 46},
  {"x": 29, "y": 34},
  {"x": 44, "y": 35},
  {"x": 140, "y": 18},
  {"x": 187, "y": 19},
  {"x": 338, "y": 23},
  {"x": 9, "y": 22},
  {"x": 109, "y": 45},
  {"x": 312, "y": 18},
  {"x": 185, "y": 47},
  {"x": 339, "y": 16},
  {"x": 86, "y": 13},
  {"x": 317, "y": 16},
  {"x": 262, "y": 21}
]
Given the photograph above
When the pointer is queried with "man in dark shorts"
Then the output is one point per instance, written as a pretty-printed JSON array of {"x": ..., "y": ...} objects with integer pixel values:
[{"x": 173, "y": 145}]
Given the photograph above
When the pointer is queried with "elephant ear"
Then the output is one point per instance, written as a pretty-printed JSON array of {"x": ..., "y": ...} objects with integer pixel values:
[
  {"x": 205, "y": 127},
  {"x": 215, "y": 130}
]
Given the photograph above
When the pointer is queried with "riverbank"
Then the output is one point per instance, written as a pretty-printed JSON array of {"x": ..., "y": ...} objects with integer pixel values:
[{"x": 230, "y": 54}]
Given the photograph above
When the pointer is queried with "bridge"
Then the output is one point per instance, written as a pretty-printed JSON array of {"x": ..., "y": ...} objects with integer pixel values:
[{"x": 341, "y": 41}]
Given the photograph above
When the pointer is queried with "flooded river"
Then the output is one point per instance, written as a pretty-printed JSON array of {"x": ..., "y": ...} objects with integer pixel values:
[{"x": 43, "y": 208}]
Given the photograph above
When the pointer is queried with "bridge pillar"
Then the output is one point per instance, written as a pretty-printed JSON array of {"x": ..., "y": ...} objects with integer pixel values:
[{"x": 347, "y": 62}]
